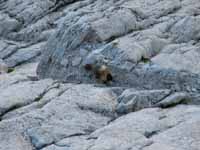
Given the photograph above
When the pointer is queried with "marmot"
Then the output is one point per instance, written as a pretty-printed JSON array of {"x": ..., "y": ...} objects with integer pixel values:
[{"x": 102, "y": 73}]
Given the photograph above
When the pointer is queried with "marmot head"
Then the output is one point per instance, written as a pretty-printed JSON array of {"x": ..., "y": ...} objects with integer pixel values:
[{"x": 102, "y": 72}]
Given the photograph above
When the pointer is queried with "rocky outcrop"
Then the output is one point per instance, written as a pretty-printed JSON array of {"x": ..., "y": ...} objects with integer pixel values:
[
  {"x": 131, "y": 100},
  {"x": 121, "y": 38},
  {"x": 51, "y": 57}
]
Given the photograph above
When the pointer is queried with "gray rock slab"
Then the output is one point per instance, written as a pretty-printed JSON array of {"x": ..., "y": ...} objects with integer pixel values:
[{"x": 18, "y": 95}]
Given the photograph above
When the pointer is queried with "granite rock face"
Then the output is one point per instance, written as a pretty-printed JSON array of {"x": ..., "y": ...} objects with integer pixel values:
[
  {"x": 120, "y": 37},
  {"x": 51, "y": 93}
]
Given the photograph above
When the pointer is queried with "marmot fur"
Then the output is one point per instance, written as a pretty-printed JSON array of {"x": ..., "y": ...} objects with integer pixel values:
[{"x": 102, "y": 73}]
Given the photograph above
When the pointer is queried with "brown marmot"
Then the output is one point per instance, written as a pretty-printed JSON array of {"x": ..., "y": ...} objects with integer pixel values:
[{"x": 102, "y": 73}]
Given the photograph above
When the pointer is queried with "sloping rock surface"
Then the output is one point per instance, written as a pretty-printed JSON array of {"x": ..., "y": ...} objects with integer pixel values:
[{"x": 50, "y": 101}]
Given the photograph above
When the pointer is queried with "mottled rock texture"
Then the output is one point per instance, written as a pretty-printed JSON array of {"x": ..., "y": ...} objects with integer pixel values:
[{"x": 51, "y": 55}]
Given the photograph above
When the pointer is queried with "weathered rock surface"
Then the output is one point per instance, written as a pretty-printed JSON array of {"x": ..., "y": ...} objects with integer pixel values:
[
  {"x": 121, "y": 38},
  {"x": 151, "y": 48},
  {"x": 132, "y": 100},
  {"x": 3, "y": 67},
  {"x": 65, "y": 111}
]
